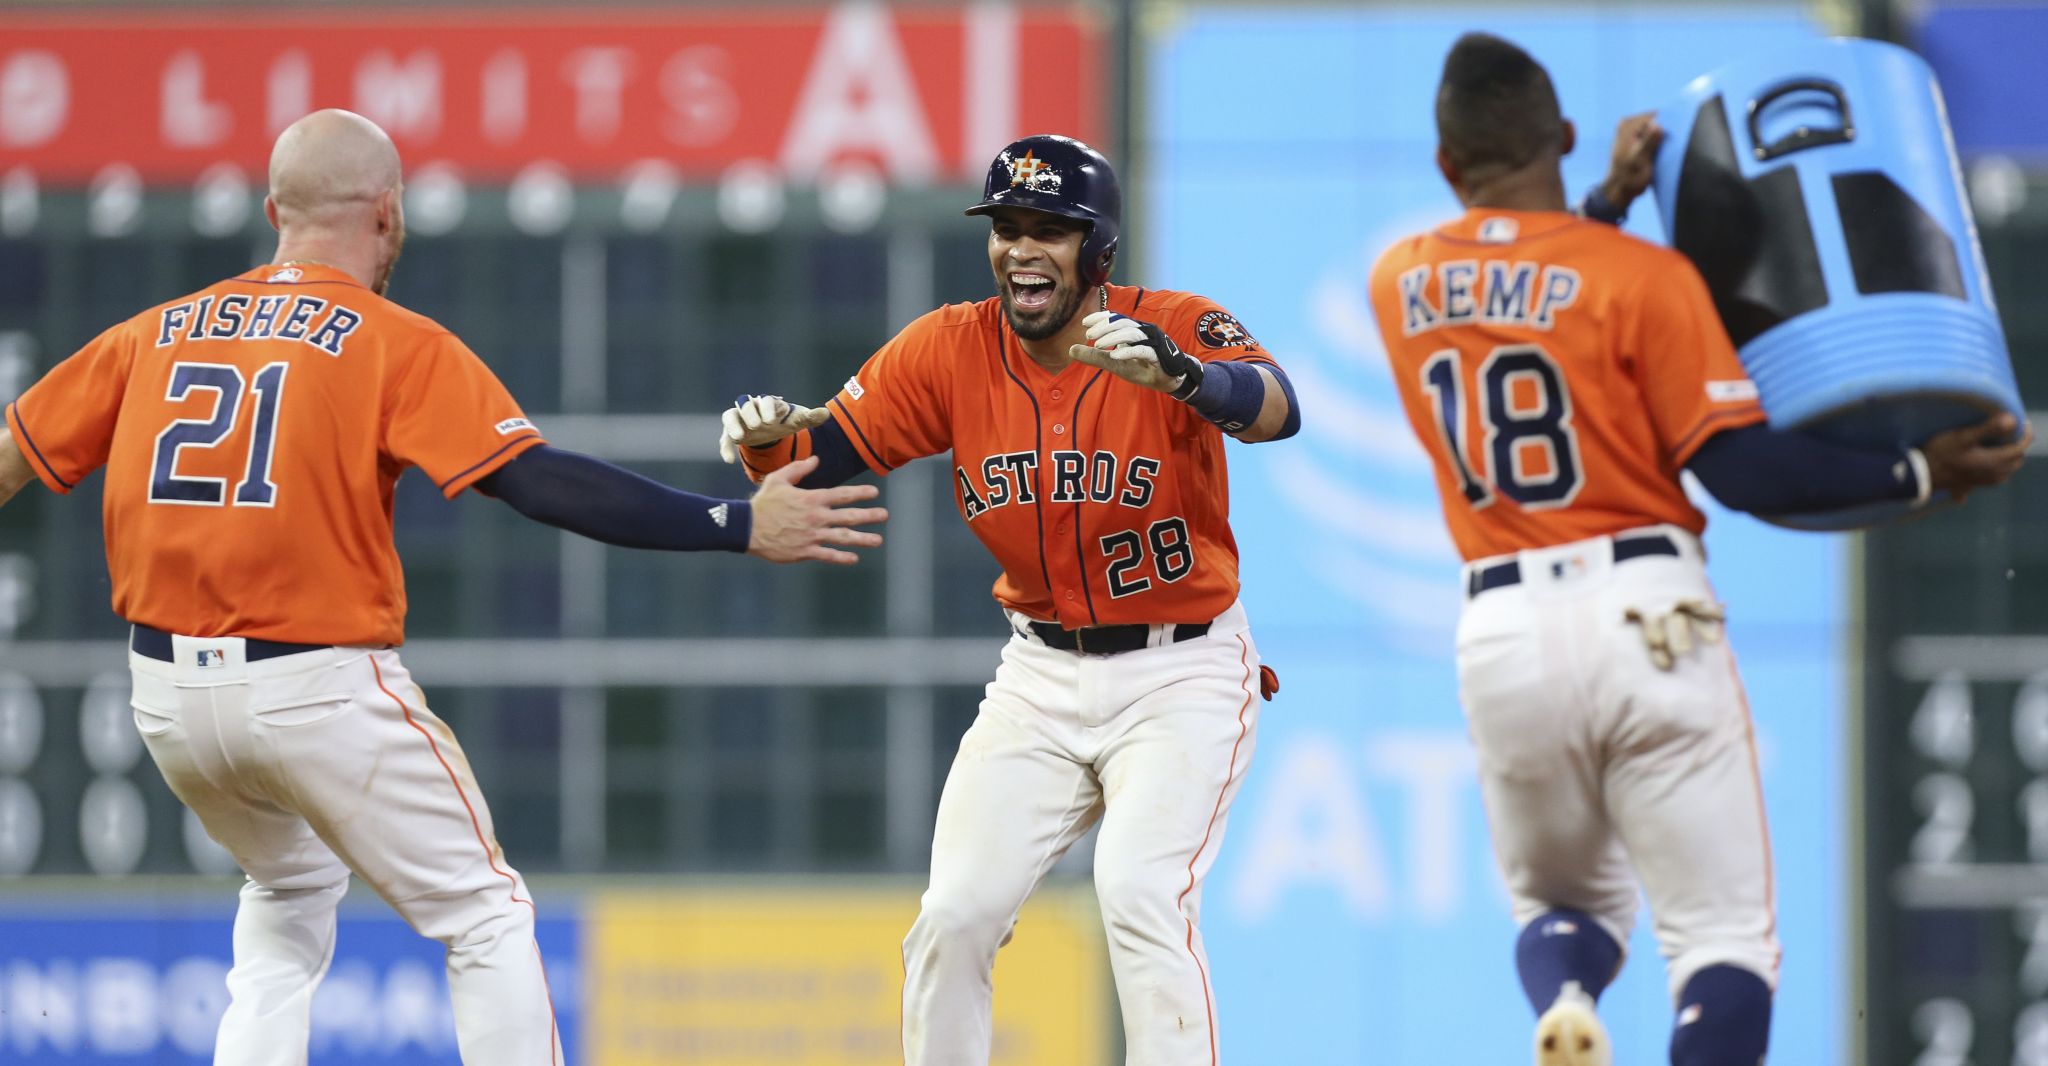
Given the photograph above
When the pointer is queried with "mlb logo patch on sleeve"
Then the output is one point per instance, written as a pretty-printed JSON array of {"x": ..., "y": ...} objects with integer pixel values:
[
  {"x": 853, "y": 388},
  {"x": 1731, "y": 391},
  {"x": 513, "y": 425}
]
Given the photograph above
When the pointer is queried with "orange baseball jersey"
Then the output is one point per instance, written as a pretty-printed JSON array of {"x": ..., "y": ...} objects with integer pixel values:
[
  {"x": 1559, "y": 372},
  {"x": 1105, "y": 502},
  {"x": 252, "y": 434}
]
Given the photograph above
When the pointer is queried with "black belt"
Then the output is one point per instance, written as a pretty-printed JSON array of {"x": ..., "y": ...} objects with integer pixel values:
[
  {"x": 156, "y": 644},
  {"x": 1110, "y": 640},
  {"x": 1501, "y": 575}
]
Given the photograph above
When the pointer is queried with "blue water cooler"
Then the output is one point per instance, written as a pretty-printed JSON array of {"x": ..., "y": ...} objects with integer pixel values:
[{"x": 1818, "y": 192}]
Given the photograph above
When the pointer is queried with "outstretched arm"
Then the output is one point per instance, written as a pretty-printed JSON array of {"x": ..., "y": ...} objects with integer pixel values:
[
  {"x": 1784, "y": 472},
  {"x": 607, "y": 503},
  {"x": 764, "y": 433},
  {"x": 1252, "y": 402},
  {"x": 14, "y": 471}
]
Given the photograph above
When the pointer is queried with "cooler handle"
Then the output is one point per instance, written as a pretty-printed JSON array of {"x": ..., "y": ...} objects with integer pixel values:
[{"x": 1805, "y": 136}]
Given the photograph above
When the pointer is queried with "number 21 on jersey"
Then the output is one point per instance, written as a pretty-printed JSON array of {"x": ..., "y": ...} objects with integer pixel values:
[
  {"x": 1530, "y": 452},
  {"x": 229, "y": 388}
]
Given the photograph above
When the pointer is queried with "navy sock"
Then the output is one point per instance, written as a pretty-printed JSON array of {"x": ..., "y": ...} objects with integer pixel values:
[
  {"x": 1564, "y": 945},
  {"x": 1724, "y": 1019}
]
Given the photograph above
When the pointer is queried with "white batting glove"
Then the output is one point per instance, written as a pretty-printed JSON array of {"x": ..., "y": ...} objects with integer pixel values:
[
  {"x": 753, "y": 421},
  {"x": 1670, "y": 635},
  {"x": 1138, "y": 352}
]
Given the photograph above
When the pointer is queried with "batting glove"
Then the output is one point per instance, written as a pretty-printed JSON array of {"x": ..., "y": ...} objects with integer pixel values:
[
  {"x": 1138, "y": 352},
  {"x": 1671, "y": 634},
  {"x": 753, "y": 421}
]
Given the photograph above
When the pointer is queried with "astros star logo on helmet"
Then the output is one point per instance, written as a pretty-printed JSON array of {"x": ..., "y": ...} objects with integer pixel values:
[{"x": 1032, "y": 173}]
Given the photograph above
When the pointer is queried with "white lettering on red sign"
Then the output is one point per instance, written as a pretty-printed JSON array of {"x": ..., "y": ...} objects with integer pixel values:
[
  {"x": 702, "y": 104},
  {"x": 599, "y": 77},
  {"x": 860, "y": 97},
  {"x": 504, "y": 93},
  {"x": 35, "y": 98},
  {"x": 914, "y": 97},
  {"x": 289, "y": 94},
  {"x": 401, "y": 95},
  {"x": 990, "y": 44},
  {"x": 190, "y": 120}
]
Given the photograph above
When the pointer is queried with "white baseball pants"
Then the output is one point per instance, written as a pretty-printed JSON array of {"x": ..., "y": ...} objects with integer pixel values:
[
  {"x": 1154, "y": 743},
  {"x": 309, "y": 766},
  {"x": 1592, "y": 761}
]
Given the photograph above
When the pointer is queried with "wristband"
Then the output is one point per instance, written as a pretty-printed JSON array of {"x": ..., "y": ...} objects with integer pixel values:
[
  {"x": 1229, "y": 394},
  {"x": 1597, "y": 207},
  {"x": 1190, "y": 381}
]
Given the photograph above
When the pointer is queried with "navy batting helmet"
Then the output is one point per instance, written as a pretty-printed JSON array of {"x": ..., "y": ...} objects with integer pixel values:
[{"x": 1060, "y": 175}]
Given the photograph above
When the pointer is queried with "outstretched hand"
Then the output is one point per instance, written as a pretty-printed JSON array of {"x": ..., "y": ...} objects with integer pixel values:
[
  {"x": 1976, "y": 456},
  {"x": 756, "y": 420},
  {"x": 794, "y": 525}
]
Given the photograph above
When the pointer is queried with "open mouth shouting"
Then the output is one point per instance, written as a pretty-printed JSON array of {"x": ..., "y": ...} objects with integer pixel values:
[{"x": 1031, "y": 292}]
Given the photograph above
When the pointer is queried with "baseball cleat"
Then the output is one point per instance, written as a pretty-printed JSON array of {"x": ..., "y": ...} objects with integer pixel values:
[{"x": 1570, "y": 1034}]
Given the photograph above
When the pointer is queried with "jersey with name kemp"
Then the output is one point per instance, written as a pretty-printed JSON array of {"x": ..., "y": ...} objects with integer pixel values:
[
  {"x": 1105, "y": 502},
  {"x": 252, "y": 434},
  {"x": 1558, "y": 372}
]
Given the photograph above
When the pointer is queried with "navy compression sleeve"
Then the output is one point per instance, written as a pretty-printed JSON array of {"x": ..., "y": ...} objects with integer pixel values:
[
  {"x": 838, "y": 463},
  {"x": 1767, "y": 471},
  {"x": 616, "y": 506}
]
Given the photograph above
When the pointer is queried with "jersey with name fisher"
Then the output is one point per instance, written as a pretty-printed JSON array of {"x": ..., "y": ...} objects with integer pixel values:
[
  {"x": 1559, "y": 372},
  {"x": 253, "y": 433},
  {"x": 1105, "y": 502}
]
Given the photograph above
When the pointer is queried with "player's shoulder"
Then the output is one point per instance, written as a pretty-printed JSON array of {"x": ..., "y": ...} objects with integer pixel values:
[
  {"x": 1196, "y": 322},
  {"x": 147, "y": 318},
  {"x": 949, "y": 327},
  {"x": 936, "y": 342},
  {"x": 966, "y": 315},
  {"x": 1162, "y": 301},
  {"x": 396, "y": 318},
  {"x": 1169, "y": 308},
  {"x": 1621, "y": 253},
  {"x": 1401, "y": 254}
]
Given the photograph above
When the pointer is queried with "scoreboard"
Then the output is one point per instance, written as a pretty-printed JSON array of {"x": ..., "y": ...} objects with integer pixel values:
[{"x": 1955, "y": 733}]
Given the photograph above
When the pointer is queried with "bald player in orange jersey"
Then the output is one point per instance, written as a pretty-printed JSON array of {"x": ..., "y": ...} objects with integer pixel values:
[
  {"x": 1561, "y": 374},
  {"x": 252, "y": 434},
  {"x": 1086, "y": 423}
]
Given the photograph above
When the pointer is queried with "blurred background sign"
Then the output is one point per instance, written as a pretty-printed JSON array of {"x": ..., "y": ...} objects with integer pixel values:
[
  {"x": 925, "y": 94},
  {"x": 814, "y": 977},
  {"x": 96, "y": 978}
]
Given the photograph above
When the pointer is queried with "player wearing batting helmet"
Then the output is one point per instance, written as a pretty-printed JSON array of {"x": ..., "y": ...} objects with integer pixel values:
[
  {"x": 1561, "y": 375},
  {"x": 1086, "y": 423},
  {"x": 252, "y": 433}
]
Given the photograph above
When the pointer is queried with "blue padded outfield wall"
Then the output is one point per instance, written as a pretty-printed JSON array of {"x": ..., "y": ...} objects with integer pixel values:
[{"x": 1355, "y": 915}]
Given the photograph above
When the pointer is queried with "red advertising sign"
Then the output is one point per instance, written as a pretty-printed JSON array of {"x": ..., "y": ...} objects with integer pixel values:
[{"x": 924, "y": 94}]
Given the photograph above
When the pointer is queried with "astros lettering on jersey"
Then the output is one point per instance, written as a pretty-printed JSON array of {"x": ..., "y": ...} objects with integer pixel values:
[
  {"x": 1061, "y": 475},
  {"x": 236, "y": 424},
  {"x": 1499, "y": 329}
]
